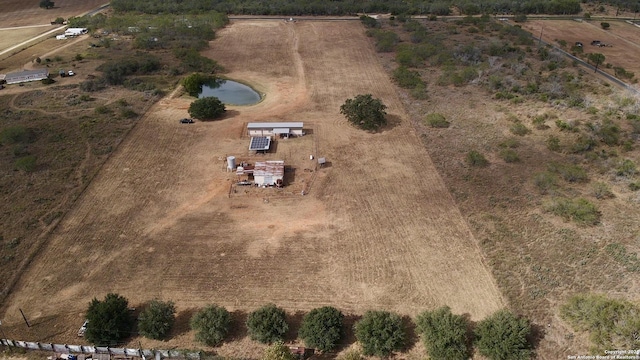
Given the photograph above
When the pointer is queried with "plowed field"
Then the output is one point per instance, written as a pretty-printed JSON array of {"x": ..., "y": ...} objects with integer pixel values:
[{"x": 377, "y": 229}]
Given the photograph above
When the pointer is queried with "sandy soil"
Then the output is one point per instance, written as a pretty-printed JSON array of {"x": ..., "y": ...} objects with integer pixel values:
[
  {"x": 20, "y": 13},
  {"x": 377, "y": 230}
]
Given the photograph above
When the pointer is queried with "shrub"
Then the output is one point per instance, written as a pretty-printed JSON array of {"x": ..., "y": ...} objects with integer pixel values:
[
  {"x": 634, "y": 186},
  {"x": 475, "y": 158},
  {"x": 565, "y": 126},
  {"x": 626, "y": 168},
  {"x": 194, "y": 82},
  {"x": 602, "y": 191},
  {"x": 380, "y": 333},
  {"x": 569, "y": 172},
  {"x": 583, "y": 144},
  {"x": 26, "y": 163},
  {"x": 544, "y": 181},
  {"x": 406, "y": 78},
  {"x": 609, "y": 133},
  {"x": 369, "y": 22},
  {"x": 605, "y": 25},
  {"x": 126, "y": 113},
  {"x": 611, "y": 323},
  {"x": 579, "y": 210},
  {"x": 519, "y": 129},
  {"x": 156, "y": 320},
  {"x": 278, "y": 351},
  {"x": 17, "y": 134},
  {"x": 509, "y": 155},
  {"x": 267, "y": 324},
  {"x": 437, "y": 120},
  {"x": 109, "y": 321},
  {"x": 444, "y": 334},
  {"x": 510, "y": 143},
  {"x": 553, "y": 143},
  {"x": 322, "y": 328},
  {"x": 211, "y": 325},
  {"x": 503, "y": 336},
  {"x": 102, "y": 110}
]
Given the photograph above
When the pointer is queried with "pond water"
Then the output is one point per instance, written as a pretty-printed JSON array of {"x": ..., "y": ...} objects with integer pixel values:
[{"x": 230, "y": 92}]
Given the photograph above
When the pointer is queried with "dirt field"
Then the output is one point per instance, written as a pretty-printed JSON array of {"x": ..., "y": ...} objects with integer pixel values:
[
  {"x": 377, "y": 230},
  {"x": 621, "y": 35}
]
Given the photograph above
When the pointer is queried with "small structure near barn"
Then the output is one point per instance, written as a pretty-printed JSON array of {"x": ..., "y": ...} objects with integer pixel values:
[
  {"x": 27, "y": 75},
  {"x": 265, "y": 173},
  {"x": 61, "y": 37},
  {"x": 75, "y": 31},
  {"x": 282, "y": 129}
]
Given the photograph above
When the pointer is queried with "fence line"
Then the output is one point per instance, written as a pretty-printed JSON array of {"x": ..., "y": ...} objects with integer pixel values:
[{"x": 87, "y": 349}]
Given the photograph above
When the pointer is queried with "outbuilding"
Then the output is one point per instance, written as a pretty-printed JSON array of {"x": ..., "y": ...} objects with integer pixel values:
[
  {"x": 268, "y": 173},
  {"x": 27, "y": 75},
  {"x": 282, "y": 129}
]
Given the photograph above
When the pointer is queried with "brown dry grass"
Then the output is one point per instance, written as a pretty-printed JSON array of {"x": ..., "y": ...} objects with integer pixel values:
[
  {"x": 21, "y": 13},
  {"x": 378, "y": 229}
]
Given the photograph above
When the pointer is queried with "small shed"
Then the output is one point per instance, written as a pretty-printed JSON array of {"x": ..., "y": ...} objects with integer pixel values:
[
  {"x": 284, "y": 129},
  {"x": 27, "y": 75},
  {"x": 268, "y": 173}
]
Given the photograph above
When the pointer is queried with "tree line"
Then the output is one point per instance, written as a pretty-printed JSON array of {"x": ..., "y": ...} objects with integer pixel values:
[
  {"x": 445, "y": 335},
  {"x": 349, "y": 7}
]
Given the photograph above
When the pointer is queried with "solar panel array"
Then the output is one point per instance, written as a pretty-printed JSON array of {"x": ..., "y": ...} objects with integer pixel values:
[{"x": 260, "y": 143}]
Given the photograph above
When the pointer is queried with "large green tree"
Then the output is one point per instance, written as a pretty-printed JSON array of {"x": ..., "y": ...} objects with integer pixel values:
[
  {"x": 211, "y": 325},
  {"x": 110, "y": 321},
  {"x": 380, "y": 333},
  {"x": 597, "y": 59},
  {"x": 267, "y": 324},
  {"x": 365, "y": 112},
  {"x": 208, "y": 108},
  {"x": 503, "y": 336},
  {"x": 156, "y": 320},
  {"x": 194, "y": 82},
  {"x": 444, "y": 334},
  {"x": 322, "y": 328}
]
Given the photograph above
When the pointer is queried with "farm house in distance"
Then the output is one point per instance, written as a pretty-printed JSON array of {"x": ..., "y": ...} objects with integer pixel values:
[
  {"x": 283, "y": 129},
  {"x": 26, "y": 75}
]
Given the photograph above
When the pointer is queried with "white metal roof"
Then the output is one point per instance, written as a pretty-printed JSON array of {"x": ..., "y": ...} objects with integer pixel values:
[
  {"x": 274, "y": 125},
  {"x": 10, "y": 76},
  {"x": 281, "y": 131},
  {"x": 269, "y": 168}
]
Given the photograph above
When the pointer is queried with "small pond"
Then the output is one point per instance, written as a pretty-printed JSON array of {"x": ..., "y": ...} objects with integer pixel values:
[{"x": 230, "y": 92}]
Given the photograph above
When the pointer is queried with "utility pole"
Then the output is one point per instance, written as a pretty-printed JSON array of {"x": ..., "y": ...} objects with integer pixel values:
[{"x": 25, "y": 318}]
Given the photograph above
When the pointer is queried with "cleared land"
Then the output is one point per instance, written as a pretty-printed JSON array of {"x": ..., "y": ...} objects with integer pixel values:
[
  {"x": 21, "y": 13},
  {"x": 378, "y": 228},
  {"x": 624, "y": 49}
]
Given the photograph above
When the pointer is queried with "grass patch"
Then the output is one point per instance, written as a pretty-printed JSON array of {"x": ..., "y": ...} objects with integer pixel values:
[
  {"x": 627, "y": 168},
  {"x": 620, "y": 254},
  {"x": 611, "y": 323},
  {"x": 553, "y": 143},
  {"x": 545, "y": 181},
  {"x": 437, "y": 120},
  {"x": 580, "y": 210},
  {"x": 510, "y": 143},
  {"x": 602, "y": 190}
]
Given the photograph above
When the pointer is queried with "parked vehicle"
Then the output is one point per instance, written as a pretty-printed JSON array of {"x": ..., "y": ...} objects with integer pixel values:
[{"x": 186, "y": 121}]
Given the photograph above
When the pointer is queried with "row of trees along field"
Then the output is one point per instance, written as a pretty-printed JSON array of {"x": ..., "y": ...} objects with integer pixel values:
[
  {"x": 446, "y": 336},
  {"x": 350, "y": 7}
]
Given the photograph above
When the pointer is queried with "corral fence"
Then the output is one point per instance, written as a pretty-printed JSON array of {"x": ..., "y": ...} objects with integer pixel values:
[{"x": 105, "y": 350}]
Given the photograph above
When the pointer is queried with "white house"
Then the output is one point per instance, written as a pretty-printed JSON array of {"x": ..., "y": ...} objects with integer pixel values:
[
  {"x": 75, "y": 31},
  {"x": 26, "y": 75},
  {"x": 283, "y": 129}
]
